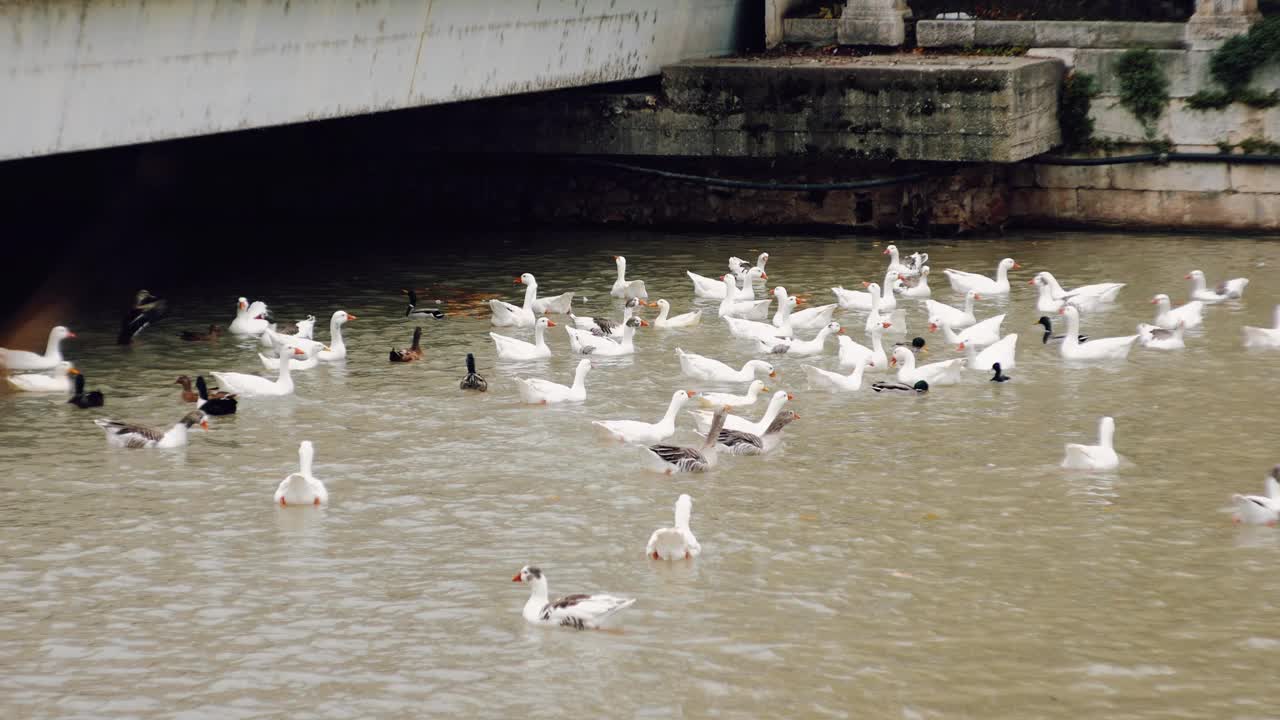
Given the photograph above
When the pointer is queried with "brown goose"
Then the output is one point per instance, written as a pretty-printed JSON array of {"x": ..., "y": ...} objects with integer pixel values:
[
  {"x": 188, "y": 395},
  {"x": 674, "y": 459}
]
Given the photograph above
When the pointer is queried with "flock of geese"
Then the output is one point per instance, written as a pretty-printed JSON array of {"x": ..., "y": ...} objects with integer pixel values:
[{"x": 791, "y": 330}]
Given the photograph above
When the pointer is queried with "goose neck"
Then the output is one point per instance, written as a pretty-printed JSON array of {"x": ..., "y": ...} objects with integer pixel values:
[
  {"x": 580, "y": 377},
  {"x": 53, "y": 349},
  {"x": 530, "y": 294},
  {"x": 663, "y": 312},
  {"x": 886, "y": 289}
]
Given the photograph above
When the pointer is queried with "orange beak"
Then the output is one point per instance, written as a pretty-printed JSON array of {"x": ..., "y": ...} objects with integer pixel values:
[
  {"x": 887, "y": 325},
  {"x": 72, "y": 371},
  {"x": 1032, "y": 281},
  {"x": 1017, "y": 266},
  {"x": 644, "y": 323},
  {"x": 691, "y": 393},
  {"x": 933, "y": 327},
  {"x": 243, "y": 306},
  {"x": 840, "y": 331},
  {"x": 764, "y": 276},
  {"x": 903, "y": 278},
  {"x": 351, "y": 317},
  {"x": 1187, "y": 276},
  {"x": 796, "y": 416},
  {"x": 773, "y": 374},
  {"x": 204, "y": 425},
  {"x": 764, "y": 389},
  {"x": 70, "y": 334},
  {"x": 886, "y": 251},
  {"x": 976, "y": 296},
  {"x": 866, "y": 284},
  {"x": 1154, "y": 301},
  {"x": 1063, "y": 310},
  {"x": 516, "y": 578},
  {"x": 650, "y": 305},
  {"x": 790, "y": 396},
  {"x": 551, "y": 323},
  {"x": 519, "y": 281},
  {"x": 298, "y": 351},
  {"x": 960, "y": 346},
  {"x": 615, "y": 257},
  {"x": 893, "y": 361}
]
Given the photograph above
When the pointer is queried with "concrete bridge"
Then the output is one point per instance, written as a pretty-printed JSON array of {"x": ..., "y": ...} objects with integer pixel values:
[{"x": 85, "y": 74}]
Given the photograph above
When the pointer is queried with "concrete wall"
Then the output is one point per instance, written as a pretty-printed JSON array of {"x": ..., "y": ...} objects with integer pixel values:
[{"x": 97, "y": 73}]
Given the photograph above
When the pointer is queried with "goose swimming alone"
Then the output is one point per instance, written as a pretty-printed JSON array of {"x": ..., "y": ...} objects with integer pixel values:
[
  {"x": 1260, "y": 509},
  {"x": 302, "y": 488},
  {"x": 676, "y": 542},
  {"x": 536, "y": 391},
  {"x": 580, "y": 612},
  {"x": 1094, "y": 457},
  {"x": 1260, "y": 337},
  {"x": 472, "y": 381}
]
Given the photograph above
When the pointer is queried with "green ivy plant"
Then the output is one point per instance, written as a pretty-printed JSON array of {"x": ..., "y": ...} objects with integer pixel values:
[
  {"x": 1078, "y": 91},
  {"x": 1232, "y": 66},
  {"x": 1144, "y": 90}
]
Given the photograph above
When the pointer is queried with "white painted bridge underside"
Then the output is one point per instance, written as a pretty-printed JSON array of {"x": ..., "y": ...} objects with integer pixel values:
[{"x": 98, "y": 73}]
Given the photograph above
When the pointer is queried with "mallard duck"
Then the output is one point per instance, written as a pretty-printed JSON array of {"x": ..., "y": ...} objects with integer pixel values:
[
  {"x": 146, "y": 309},
  {"x": 413, "y": 311},
  {"x": 894, "y": 388},
  {"x": 413, "y": 352},
  {"x": 188, "y": 395},
  {"x": 213, "y": 333},
  {"x": 219, "y": 403},
  {"x": 473, "y": 381},
  {"x": 82, "y": 399}
]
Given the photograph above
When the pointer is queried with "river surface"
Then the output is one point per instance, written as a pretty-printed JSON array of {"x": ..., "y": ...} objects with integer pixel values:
[{"x": 896, "y": 557}]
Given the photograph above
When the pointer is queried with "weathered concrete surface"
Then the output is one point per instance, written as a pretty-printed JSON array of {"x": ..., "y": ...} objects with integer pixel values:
[
  {"x": 1049, "y": 33},
  {"x": 902, "y": 107},
  {"x": 87, "y": 74}
]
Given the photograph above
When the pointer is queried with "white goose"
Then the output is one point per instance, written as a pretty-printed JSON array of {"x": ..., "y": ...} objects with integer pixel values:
[
  {"x": 1157, "y": 338},
  {"x": 851, "y": 353},
  {"x": 635, "y": 431},
  {"x": 874, "y": 318},
  {"x": 793, "y": 346},
  {"x": 947, "y": 372},
  {"x": 622, "y": 288},
  {"x": 716, "y": 289},
  {"x": 715, "y": 399},
  {"x": 1094, "y": 457},
  {"x": 510, "y": 348},
  {"x": 27, "y": 360},
  {"x": 250, "y": 319},
  {"x": 255, "y": 386},
  {"x": 580, "y": 612},
  {"x": 703, "y": 418},
  {"x": 536, "y": 391},
  {"x": 920, "y": 290},
  {"x": 302, "y": 488},
  {"x": 955, "y": 317},
  {"x": 587, "y": 344},
  {"x": 1190, "y": 315},
  {"x": 1085, "y": 297},
  {"x": 132, "y": 435},
  {"x": 678, "y": 542},
  {"x": 507, "y": 315},
  {"x": 666, "y": 320},
  {"x": 809, "y": 318},
  {"x": 561, "y": 304},
  {"x": 825, "y": 379},
  {"x": 336, "y": 349},
  {"x": 740, "y": 267},
  {"x": 1260, "y": 509},
  {"x": 1002, "y": 353},
  {"x": 757, "y": 330},
  {"x": 304, "y": 329},
  {"x": 860, "y": 300},
  {"x": 1259, "y": 337},
  {"x": 1225, "y": 290},
  {"x": 1113, "y": 348},
  {"x": 745, "y": 309},
  {"x": 896, "y": 266},
  {"x": 700, "y": 367},
  {"x": 965, "y": 281},
  {"x": 273, "y": 363},
  {"x": 59, "y": 381},
  {"x": 977, "y": 335}
]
